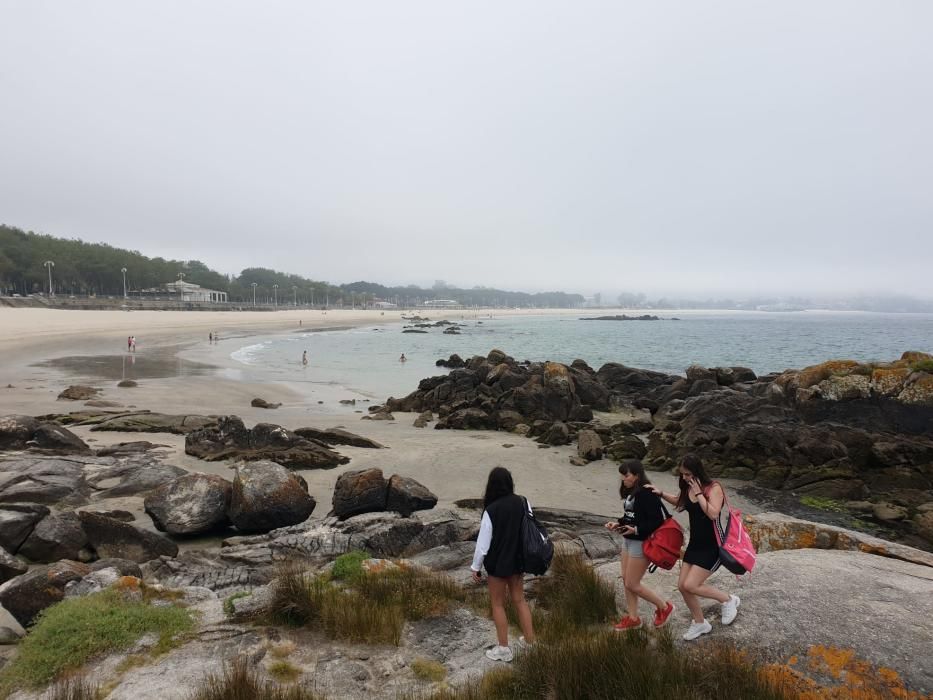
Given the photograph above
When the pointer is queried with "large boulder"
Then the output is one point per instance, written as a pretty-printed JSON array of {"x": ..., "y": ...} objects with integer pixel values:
[
  {"x": 190, "y": 505},
  {"x": 119, "y": 540},
  {"x": 627, "y": 447},
  {"x": 267, "y": 496},
  {"x": 132, "y": 478},
  {"x": 589, "y": 445},
  {"x": 54, "y": 438},
  {"x": 16, "y": 431},
  {"x": 79, "y": 392},
  {"x": 145, "y": 422},
  {"x": 17, "y": 520},
  {"x": 337, "y": 436},
  {"x": 231, "y": 439},
  {"x": 361, "y": 491},
  {"x": 10, "y": 566},
  {"x": 40, "y": 480},
  {"x": 467, "y": 419},
  {"x": 26, "y": 596},
  {"x": 59, "y": 536},
  {"x": 405, "y": 496}
]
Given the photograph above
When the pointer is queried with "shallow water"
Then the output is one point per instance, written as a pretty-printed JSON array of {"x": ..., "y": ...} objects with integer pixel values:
[{"x": 366, "y": 360}]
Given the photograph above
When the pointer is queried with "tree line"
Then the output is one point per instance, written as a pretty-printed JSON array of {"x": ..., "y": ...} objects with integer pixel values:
[{"x": 82, "y": 268}]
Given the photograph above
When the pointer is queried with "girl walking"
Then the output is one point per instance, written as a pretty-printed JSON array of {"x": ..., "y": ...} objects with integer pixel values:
[
  {"x": 643, "y": 514},
  {"x": 499, "y": 548},
  {"x": 702, "y": 498}
]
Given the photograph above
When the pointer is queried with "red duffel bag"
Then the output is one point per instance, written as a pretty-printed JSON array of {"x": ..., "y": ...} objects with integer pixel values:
[{"x": 662, "y": 547}]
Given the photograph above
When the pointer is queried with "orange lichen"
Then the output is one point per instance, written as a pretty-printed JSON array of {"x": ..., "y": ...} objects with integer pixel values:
[
  {"x": 889, "y": 382},
  {"x": 130, "y": 583}
]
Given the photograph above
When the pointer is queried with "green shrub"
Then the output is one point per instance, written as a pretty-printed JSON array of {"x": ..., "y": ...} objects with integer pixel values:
[
  {"x": 922, "y": 366},
  {"x": 68, "y": 634},
  {"x": 229, "y": 610},
  {"x": 349, "y": 566},
  {"x": 239, "y": 682},
  {"x": 419, "y": 593}
]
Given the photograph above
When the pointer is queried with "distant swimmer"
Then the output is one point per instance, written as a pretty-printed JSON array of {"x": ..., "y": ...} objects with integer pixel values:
[
  {"x": 210, "y": 337},
  {"x": 304, "y": 358},
  {"x": 403, "y": 358}
]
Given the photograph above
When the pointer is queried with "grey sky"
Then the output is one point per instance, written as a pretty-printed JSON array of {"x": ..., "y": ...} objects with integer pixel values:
[{"x": 665, "y": 147}]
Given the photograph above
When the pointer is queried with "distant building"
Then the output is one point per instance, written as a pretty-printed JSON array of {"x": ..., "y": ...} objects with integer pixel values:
[
  {"x": 187, "y": 291},
  {"x": 444, "y": 303},
  {"x": 385, "y": 305}
]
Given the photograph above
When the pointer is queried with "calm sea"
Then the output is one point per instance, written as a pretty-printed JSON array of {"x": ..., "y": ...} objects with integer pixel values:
[{"x": 365, "y": 360}]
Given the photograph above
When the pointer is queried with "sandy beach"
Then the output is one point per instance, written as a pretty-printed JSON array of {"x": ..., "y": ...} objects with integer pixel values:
[{"x": 451, "y": 463}]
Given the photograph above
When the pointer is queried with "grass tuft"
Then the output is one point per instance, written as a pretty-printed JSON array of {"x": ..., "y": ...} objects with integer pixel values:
[
  {"x": 429, "y": 670},
  {"x": 239, "y": 682},
  {"x": 575, "y": 596},
  {"x": 820, "y": 503},
  {"x": 922, "y": 366},
  {"x": 68, "y": 634},
  {"x": 229, "y": 610},
  {"x": 284, "y": 671},
  {"x": 74, "y": 689}
]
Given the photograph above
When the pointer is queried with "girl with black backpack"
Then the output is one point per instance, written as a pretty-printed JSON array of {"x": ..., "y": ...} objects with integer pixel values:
[
  {"x": 643, "y": 514},
  {"x": 499, "y": 548}
]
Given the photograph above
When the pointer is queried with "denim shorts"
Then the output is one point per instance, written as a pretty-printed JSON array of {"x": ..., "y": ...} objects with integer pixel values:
[{"x": 633, "y": 548}]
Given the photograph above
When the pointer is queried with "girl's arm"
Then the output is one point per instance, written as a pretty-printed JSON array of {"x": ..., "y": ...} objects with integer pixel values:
[
  {"x": 671, "y": 498},
  {"x": 482, "y": 543},
  {"x": 711, "y": 501}
]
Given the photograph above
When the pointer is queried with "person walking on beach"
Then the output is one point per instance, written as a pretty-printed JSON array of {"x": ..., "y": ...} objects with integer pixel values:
[
  {"x": 702, "y": 498},
  {"x": 499, "y": 549},
  {"x": 133, "y": 343},
  {"x": 643, "y": 514}
]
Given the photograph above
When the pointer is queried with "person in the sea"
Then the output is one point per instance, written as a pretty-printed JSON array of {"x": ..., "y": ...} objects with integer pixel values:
[
  {"x": 133, "y": 343},
  {"x": 702, "y": 498},
  {"x": 642, "y": 515},
  {"x": 129, "y": 343},
  {"x": 499, "y": 549},
  {"x": 304, "y": 358},
  {"x": 403, "y": 358},
  {"x": 210, "y": 337}
]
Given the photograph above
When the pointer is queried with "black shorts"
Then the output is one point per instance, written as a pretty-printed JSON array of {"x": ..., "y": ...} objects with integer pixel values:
[{"x": 704, "y": 557}]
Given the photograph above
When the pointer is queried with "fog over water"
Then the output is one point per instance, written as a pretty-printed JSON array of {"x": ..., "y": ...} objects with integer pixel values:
[{"x": 671, "y": 148}]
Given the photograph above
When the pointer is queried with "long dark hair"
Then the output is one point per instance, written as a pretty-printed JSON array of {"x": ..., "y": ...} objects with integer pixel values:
[
  {"x": 632, "y": 466},
  {"x": 498, "y": 485},
  {"x": 694, "y": 465}
]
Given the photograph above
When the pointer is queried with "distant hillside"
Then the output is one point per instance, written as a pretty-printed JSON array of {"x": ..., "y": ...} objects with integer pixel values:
[{"x": 83, "y": 268}]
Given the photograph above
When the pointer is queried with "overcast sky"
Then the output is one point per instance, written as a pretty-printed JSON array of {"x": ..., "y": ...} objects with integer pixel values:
[{"x": 665, "y": 147}]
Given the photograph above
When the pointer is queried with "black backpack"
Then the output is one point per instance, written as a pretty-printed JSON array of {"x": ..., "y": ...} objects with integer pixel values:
[{"x": 537, "y": 550}]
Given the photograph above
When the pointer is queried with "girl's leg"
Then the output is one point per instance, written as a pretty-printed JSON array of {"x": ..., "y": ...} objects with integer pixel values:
[
  {"x": 693, "y": 603},
  {"x": 517, "y": 592},
  {"x": 694, "y": 584},
  {"x": 631, "y": 599},
  {"x": 634, "y": 572},
  {"x": 497, "y": 590}
]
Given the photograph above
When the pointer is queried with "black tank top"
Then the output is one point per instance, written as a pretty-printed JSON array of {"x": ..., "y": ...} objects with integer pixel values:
[{"x": 701, "y": 527}]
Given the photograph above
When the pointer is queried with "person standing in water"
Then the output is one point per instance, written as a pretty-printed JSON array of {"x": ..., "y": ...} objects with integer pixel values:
[
  {"x": 402, "y": 358},
  {"x": 304, "y": 358}
]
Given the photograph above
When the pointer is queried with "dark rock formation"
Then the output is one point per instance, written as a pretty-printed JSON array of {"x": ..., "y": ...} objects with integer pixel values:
[
  {"x": 368, "y": 491},
  {"x": 190, "y": 505},
  {"x": 337, "y": 436},
  {"x": 589, "y": 445},
  {"x": 10, "y": 566},
  {"x": 406, "y": 495},
  {"x": 231, "y": 439},
  {"x": 132, "y": 478},
  {"x": 22, "y": 432},
  {"x": 119, "y": 540},
  {"x": 622, "y": 317},
  {"x": 17, "y": 520},
  {"x": 453, "y": 362},
  {"x": 16, "y": 431},
  {"x": 78, "y": 392},
  {"x": 26, "y": 596},
  {"x": 59, "y": 536},
  {"x": 40, "y": 480},
  {"x": 127, "y": 383},
  {"x": 267, "y": 496},
  {"x": 262, "y": 403}
]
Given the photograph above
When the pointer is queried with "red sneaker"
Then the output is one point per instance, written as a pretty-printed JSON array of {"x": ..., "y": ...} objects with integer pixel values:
[
  {"x": 627, "y": 623},
  {"x": 662, "y": 616}
]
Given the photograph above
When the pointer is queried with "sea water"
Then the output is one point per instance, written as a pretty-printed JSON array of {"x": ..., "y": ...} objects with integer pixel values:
[{"x": 366, "y": 360}]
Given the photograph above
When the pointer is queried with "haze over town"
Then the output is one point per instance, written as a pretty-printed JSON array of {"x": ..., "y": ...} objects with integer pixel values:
[{"x": 723, "y": 150}]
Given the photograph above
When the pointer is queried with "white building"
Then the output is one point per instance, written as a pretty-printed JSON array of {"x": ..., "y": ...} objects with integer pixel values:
[{"x": 187, "y": 291}]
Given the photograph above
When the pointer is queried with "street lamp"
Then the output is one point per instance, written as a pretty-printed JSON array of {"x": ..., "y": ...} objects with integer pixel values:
[
  {"x": 254, "y": 293},
  {"x": 123, "y": 270},
  {"x": 295, "y": 293},
  {"x": 275, "y": 295},
  {"x": 50, "y": 264}
]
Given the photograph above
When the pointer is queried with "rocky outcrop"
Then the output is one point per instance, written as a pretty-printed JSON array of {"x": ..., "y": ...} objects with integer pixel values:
[
  {"x": 589, "y": 445},
  {"x": 17, "y": 521},
  {"x": 267, "y": 496},
  {"x": 368, "y": 491},
  {"x": 112, "y": 538},
  {"x": 78, "y": 392},
  {"x": 231, "y": 439},
  {"x": 262, "y": 403},
  {"x": 193, "y": 504},
  {"x": 40, "y": 480},
  {"x": 337, "y": 436},
  {"x": 131, "y": 477},
  {"x": 58, "y": 536},
  {"x": 24, "y": 432},
  {"x": 145, "y": 422},
  {"x": 26, "y": 596},
  {"x": 10, "y": 566}
]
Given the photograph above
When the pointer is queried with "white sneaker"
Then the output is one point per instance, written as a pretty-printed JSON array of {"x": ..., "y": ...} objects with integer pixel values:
[
  {"x": 730, "y": 610},
  {"x": 697, "y": 629},
  {"x": 498, "y": 653}
]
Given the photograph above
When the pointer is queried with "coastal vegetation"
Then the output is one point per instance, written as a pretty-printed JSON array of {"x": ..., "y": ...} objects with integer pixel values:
[
  {"x": 69, "y": 634},
  {"x": 83, "y": 268}
]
